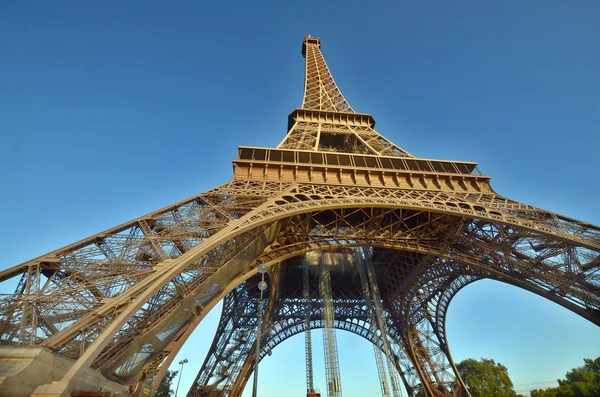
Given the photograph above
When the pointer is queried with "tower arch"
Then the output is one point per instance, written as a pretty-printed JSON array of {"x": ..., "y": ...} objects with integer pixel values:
[{"x": 123, "y": 301}]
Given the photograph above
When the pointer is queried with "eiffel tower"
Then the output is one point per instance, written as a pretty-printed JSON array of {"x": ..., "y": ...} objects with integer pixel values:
[{"x": 355, "y": 233}]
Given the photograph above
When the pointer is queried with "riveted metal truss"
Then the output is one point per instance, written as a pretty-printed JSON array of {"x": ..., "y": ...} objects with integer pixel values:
[
  {"x": 320, "y": 91},
  {"x": 124, "y": 301},
  {"x": 310, "y": 386}
]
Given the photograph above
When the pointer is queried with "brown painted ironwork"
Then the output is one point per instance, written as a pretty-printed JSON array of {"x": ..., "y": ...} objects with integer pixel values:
[{"x": 124, "y": 301}]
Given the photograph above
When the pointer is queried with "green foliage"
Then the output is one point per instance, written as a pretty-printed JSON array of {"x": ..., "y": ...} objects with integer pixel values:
[
  {"x": 486, "y": 378},
  {"x": 164, "y": 389},
  {"x": 580, "y": 382},
  {"x": 550, "y": 392}
]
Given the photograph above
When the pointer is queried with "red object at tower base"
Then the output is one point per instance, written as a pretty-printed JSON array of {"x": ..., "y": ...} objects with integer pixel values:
[{"x": 313, "y": 394}]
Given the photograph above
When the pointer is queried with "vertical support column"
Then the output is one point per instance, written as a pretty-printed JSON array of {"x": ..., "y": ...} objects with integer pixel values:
[
  {"x": 382, "y": 327},
  {"x": 272, "y": 306},
  {"x": 232, "y": 345},
  {"x": 310, "y": 388},
  {"x": 262, "y": 286},
  {"x": 332, "y": 366},
  {"x": 29, "y": 287},
  {"x": 383, "y": 380},
  {"x": 425, "y": 342},
  {"x": 373, "y": 300}
]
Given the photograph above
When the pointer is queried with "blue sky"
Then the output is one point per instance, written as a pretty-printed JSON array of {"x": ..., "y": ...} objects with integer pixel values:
[{"x": 111, "y": 110}]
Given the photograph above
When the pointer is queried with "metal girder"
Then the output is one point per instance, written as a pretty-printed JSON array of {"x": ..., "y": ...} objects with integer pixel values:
[
  {"x": 382, "y": 370},
  {"x": 565, "y": 267},
  {"x": 326, "y": 126},
  {"x": 286, "y": 317},
  {"x": 310, "y": 386},
  {"x": 364, "y": 263},
  {"x": 320, "y": 91},
  {"x": 332, "y": 361},
  {"x": 125, "y": 300}
]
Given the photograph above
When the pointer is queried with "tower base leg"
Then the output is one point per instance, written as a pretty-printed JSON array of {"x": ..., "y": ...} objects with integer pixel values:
[
  {"x": 55, "y": 389},
  {"x": 37, "y": 371}
]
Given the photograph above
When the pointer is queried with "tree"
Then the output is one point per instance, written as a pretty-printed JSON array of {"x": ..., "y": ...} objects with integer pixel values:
[
  {"x": 164, "y": 389},
  {"x": 550, "y": 392},
  {"x": 579, "y": 382},
  {"x": 486, "y": 378}
]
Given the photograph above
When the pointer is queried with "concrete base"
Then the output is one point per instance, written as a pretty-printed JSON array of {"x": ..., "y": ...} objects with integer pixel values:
[
  {"x": 55, "y": 389},
  {"x": 24, "y": 369}
]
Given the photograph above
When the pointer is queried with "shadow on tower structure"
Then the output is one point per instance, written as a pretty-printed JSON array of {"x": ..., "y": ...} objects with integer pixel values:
[{"x": 120, "y": 304}]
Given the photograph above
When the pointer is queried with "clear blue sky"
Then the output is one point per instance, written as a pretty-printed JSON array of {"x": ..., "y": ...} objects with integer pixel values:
[{"x": 110, "y": 110}]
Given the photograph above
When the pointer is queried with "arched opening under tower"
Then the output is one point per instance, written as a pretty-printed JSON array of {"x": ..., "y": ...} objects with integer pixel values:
[
  {"x": 284, "y": 372},
  {"x": 536, "y": 339},
  {"x": 350, "y": 227}
]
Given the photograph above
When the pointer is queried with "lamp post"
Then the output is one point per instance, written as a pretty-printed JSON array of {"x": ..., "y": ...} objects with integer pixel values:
[
  {"x": 184, "y": 361},
  {"x": 262, "y": 286}
]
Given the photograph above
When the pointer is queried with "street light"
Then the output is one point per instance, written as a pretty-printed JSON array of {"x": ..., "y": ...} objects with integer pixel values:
[
  {"x": 262, "y": 286},
  {"x": 184, "y": 361}
]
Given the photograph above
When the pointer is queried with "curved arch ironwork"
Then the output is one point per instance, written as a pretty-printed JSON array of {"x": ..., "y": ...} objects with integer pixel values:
[
  {"x": 124, "y": 301},
  {"x": 510, "y": 239}
]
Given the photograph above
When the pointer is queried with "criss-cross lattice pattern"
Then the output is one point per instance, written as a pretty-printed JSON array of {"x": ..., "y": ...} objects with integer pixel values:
[
  {"x": 125, "y": 300},
  {"x": 320, "y": 91},
  {"x": 326, "y": 125}
]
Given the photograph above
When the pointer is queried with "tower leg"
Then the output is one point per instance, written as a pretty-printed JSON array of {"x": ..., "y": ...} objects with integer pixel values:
[
  {"x": 271, "y": 307},
  {"x": 424, "y": 336},
  {"x": 232, "y": 343},
  {"x": 231, "y": 358}
]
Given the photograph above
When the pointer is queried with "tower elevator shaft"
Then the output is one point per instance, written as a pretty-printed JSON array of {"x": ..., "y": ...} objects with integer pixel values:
[
  {"x": 310, "y": 388},
  {"x": 372, "y": 297},
  {"x": 332, "y": 366}
]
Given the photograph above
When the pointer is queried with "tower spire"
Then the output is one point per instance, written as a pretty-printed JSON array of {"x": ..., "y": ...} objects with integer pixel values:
[
  {"x": 326, "y": 122},
  {"x": 320, "y": 90}
]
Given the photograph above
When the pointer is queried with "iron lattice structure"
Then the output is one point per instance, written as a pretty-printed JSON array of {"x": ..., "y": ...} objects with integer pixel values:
[{"x": 125, "y": 300}]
